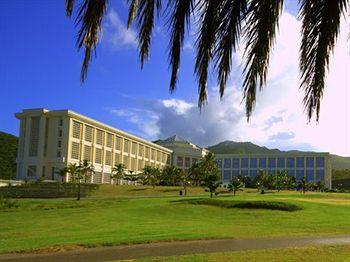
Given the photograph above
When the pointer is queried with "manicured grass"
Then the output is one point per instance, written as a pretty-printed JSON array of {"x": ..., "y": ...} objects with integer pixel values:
[
  {"x": 316, "y": 254},
  {"x": 116, "y": 219}
]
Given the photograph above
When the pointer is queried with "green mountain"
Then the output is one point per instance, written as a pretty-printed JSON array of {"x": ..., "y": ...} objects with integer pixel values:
[
  {"x": 231, "y": 147},
  {"x": 8, "y": 154}
]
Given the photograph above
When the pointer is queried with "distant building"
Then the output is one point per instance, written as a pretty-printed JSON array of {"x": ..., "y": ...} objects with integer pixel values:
[
  {"x": 185, "y": 154},
  {"x": 51, "y": 139},
  {"x": 314, "y": 166}
]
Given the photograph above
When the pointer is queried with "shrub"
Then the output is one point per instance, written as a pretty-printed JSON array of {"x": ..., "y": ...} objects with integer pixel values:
[{"x": 6, "y": 203}]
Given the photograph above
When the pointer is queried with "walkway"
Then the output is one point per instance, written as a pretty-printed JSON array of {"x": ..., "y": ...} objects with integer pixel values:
[{"x": 175, "y": 248}]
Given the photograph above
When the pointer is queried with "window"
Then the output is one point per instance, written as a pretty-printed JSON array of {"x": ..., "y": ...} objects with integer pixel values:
[
  {"x": 227, "y": 175},
  {"x": 109, "y": 140},
  {"x": 235, "y": 163},
  {"x": 310, "y": 175},
  {"x": 262, "y": 163},
  {"x": 126, "y": 146},
  {"x": 271, "y": 171},
  {"x": 59, "y": 144},
  {"x": 219, "y": 163},
  {"x": 133, "y": 148},
  {"x": 291, "y": 172},
  {"x": 290, "y": 162},
  {"x": 153, "y": 154},
  {"x": 132, "y": 167},
  {"x": 187, "y": 161},
  {"x": 180, "y": 161},
  {"x": 272, "y": 162},
  {"x": 60, "y": 122},
  {"x": 58, "y": 153},
  {"x": 88, "y": 133},
  {"x": 126, "y": 162},
  {"x": 43, "y": 172},
  {"x": 320, "y": 175},
  {"x": 300, "y": 174},
  {"x": 235, "y": 172},
  {"x": 108, "y": 160},
  {"x": 99, "y": 137},
  {"x": 309, "y": 162},
  {"x": 117, "y": 159},
  {"x": 320, "y": 162},
  {"x": 87, "y": 153},
  {"x": 253, "y": 172},
  {"x": 147, "y": 152},
  {"x": 75, "y": 150},
  {"x": 244, "y": 163},
  {"x": 118, "y": 143},
  {"x": 244, "y": 172},
  {"x": 227, "y": 163},
  {"x": 253, "y": 163},
  {"x": 140, "y": 165},
  {"x": 140, "y": 150},
  {"x": 281, "y": 163},
  {"x": 76, "y": 129},
  {"x": 300, "y": 162},
  {"x": 34, "y": 136},
  {"x": 163, "y": 158},
  {"x": 158, "y": 156},
  {"x": 60, "y": 133},
  {"x": 98, "y": 156},
  {"x": 31, "y": 171}
]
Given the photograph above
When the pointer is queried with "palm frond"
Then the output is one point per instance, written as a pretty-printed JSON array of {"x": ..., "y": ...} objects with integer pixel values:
[
  {"x": 230, "y": 16},
  {"x": 145, "y": 16},
  {"x": 89, "y": 19},
  {"x": 205, "y": 44},
  {"x": 260, "y": 33},
  {"x": 69, "y": 7},
  {"x": 179, "y": 11},
  {"x": 133, "y": 7},
  {"x": 320, "y": 28}
]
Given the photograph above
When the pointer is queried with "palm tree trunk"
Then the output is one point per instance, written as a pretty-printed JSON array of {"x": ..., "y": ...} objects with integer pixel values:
[
  {"x": 78, "y": 190},
  {"x": 211, "y": 194}
]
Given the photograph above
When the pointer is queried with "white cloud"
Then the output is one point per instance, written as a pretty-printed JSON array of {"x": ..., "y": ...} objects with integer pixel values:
[
  {"x": 116, "y": 33},
  {"x": 278, "y": 120}
]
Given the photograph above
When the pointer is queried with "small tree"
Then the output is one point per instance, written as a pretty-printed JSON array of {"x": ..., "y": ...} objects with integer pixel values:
[
  {"x": 235, "y": 185},
  {"x": 280, "y": 180},
  {"x": 263, "y": 181},
  {"x": 211, "y": 181},
  {"x": 62, "y": 172},
  {"x": 185, "y": 180},
  {"x": 320, "y": 186},
  {"x": 74, "y": 171},
  {"x": 303, "y": 185},
  {"x": 86, "y": 170},
  {"x": 118, "y": 173},
  {"x": 170, "y": 176},
  {"x": 150, "y": 176}
]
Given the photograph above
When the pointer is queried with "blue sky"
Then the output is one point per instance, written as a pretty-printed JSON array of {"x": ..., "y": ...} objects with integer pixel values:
[{"x": 40, "y": 67}]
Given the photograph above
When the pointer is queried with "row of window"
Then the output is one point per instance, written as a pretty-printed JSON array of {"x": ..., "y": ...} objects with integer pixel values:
[
  {"x": 185, "y": 161},
  {"x": 299, "y": 174},
  {"x": 272, "y": 162}
]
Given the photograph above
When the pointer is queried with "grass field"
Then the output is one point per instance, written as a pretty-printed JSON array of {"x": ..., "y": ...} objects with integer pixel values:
[
  {"x": 310, "y": 254},
  {"x": 115, "y": 215}
]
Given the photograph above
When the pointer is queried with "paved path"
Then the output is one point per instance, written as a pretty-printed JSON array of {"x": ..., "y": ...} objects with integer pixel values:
[{"x": 175, "y": 248}]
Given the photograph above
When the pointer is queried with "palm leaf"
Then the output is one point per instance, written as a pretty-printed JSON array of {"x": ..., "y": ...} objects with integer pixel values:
[
  {"x": 69, "y": 7},
  {"x": 260, "y": 33},
  {"x": 320, "y": 28}
]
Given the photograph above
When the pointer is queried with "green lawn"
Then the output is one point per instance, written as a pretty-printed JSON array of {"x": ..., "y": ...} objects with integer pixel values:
[
  {"x": 316, "y": 254},
  {"x": 108, "y": 217}
]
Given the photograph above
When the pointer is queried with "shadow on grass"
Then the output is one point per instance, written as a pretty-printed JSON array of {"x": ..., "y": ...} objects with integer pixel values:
[
  {"x": 268, "y": 205},
  {"x": 171, "y": 190}
]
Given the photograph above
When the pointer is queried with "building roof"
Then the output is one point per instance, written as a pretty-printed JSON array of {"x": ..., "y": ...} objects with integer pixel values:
[{"x": 175, "y": 138}]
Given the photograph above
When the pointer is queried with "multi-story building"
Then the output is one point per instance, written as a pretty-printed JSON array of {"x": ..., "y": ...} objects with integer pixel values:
[
  {"x": 313, "y": 166},
  {"x": 185, "y": 154},
  {"x": 51, "y": 139}
]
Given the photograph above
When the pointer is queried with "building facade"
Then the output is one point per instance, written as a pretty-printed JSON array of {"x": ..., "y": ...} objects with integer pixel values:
[
  {"x": 313, "y": 166},
  {"x": 185, "y": 153},
  {"x": 50, "y": 140}
]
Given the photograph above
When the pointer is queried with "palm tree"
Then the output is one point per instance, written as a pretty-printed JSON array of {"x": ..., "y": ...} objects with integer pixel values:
[
  {"x": 171, "y": 176},
  {"x": 62, "y": 172},
  {"x": 185, "y": 180},
  {"x": 118, "y": 173},
  {"x": 86, "y": 170},
  {"x": 74, "y": 171},
  {"x": 211, "y": 181},
  {"x": 280, "y": 180},
  {"x": 235, "y": 185},
  {"x": 221, "y": 25}
]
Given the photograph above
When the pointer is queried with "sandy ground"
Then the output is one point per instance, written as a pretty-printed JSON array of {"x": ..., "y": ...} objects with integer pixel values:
[{"x": 174, "y": 248}]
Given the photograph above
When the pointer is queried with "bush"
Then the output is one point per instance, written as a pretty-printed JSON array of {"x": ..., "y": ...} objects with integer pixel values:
[
  {"x": 6, "y": 203},
  {"x": 271, "y": 205},
  {"x": 46, "y": 190}
]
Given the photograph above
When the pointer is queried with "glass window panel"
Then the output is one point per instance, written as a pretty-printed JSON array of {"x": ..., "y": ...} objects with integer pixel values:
[
  {"x": 300, "y": 174},
  {"x": 98, "y": 156},
  {"x": 253, "y": 172},
  {"x": 244, "y": 163},
  {"x": 290, "y": 162},
  {"x": 244, "y": 172},
  {"x": 309, "y": 162},
  {"x": 187, "y": 161},
  {"x": 235, "y": 163},
  {"x": 310, "y": 175},
  {"x": 253, "y": 163},
  {"x": 99, "y": 137},
  {"x": 320, "y": 175},
  {"x": 227, "y": 175},
  {"x": 180, "y": 161},
  {"x": 300, "y": 162},
  {"x": 227, "y": 163},
  {"x": 291, "y": 172},
  {"x": 320, "y": 162},
  {"x": 281, "y": 163},
  {"x": 262, "y": 162},
  {"x": 235, "y": 172},
  {"x": 272, "y": 171},
  {"x": 272, "y": 162},
  {"x": 219, "y": 163}
]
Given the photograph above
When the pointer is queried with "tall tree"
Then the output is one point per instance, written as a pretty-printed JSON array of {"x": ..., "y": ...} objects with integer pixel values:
[
  {"x": 118, "y": 173},
  {"x": 221, "y": 24},
  {"x": 73, "y": 171},
  {"x": 235, "y": 185}
]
